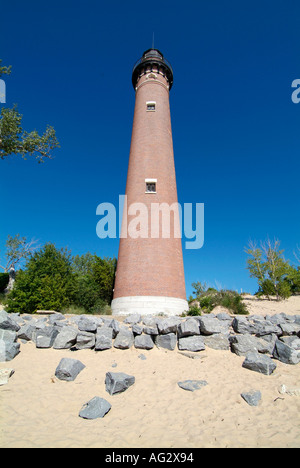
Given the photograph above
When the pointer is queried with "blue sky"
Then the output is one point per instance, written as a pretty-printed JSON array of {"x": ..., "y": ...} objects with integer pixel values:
[{"x": 235, "y": 127}]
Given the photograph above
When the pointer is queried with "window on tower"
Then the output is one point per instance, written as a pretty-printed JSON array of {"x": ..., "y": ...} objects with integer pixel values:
[
  {"x": 151, "y": 106},
  {"x": 150, "y": 185}
]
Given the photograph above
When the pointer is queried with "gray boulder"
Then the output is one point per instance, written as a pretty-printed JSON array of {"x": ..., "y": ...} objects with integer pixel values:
[
  {"x": 118, "y": 382},
  {"x": 114, "y": 325},
  {"x": 290, "y": 329},
  {"x": 95, "y": 408},
  {"x": 285, "y": 353},
  {"x": 210, "y": 325},
  {"x": 133, "y": 318},
  {"x": 224, "y": 316},
  {"x": 66, "y": 338},
  {"x": 137, "y": 329},
  {"x": 266, "y": 343},
  {"x": 276, "y": 318},
  {"x": 86, "y": 324},
  {"x": 68, "y": 369},
  {"x": 243, "y": 325},
  {"x": 45, "y": 337},
  {"x": 292, "y": 341},
  {"x": 39, "y": 324},
  {"x": 26, "y": 332},
  {"x": 150, "y": 321},
  {"x": 168, "y": 341},
  {"x": 143, "y": 342},
  {"x": 243, "y": 344},
  {"x": 151, "y": 330},
  {"x": 191, "y": 343},
  {"x": 189, "y": 327},
  {"x": 265, "y": 327},
  {"x": 259, "y": 363},
  {"x": 168, "y": 325},
  {"x": 252, "y": 398},
  {"x": 7, "y": 323},
  {"x": 8, "y": 335},
  {"x": 297, "y": 319},
  {"x": 104, "y": 338},
  {"x": 124, "y": 339},
  {"x": 192, "y": 385},
  {"x": 54, "y": 319},
  {"x": 217, "y": 341},
  {"x": 85, "y": 340},
  {"x": 8, "y": 350}
]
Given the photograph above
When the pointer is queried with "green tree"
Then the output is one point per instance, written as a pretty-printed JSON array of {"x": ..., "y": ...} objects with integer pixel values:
[
  {"x": 104, "y": 274},
  {"x": 268, "y": 266},
  {"x": 14, "y": 140},
  {"x": 45, "y": 283},
  {"x": 293, "y": 277},
  {"x": 94, "y": 281},
  {"x": 17, "y": 250},
  {"x": 199, "y": 288},
  {"x": 85, "y": 292}
]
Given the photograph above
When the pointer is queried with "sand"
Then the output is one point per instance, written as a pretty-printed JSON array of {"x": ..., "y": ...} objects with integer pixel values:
[
  {"x": 38, "y": 410},
  {"x": 264, "y": 307}
]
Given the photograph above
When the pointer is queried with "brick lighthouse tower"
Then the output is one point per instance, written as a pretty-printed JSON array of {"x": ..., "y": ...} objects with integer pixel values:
[{"x": 150, "y": 274}]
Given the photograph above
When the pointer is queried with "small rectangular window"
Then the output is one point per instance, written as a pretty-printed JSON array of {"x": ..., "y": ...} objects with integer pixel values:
[
  {"x": 151, "y": 106},
  {"x": 150, "y": 185}
]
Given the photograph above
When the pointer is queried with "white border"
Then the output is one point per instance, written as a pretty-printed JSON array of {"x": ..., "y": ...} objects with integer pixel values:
[{"x": 149, "y": 305}]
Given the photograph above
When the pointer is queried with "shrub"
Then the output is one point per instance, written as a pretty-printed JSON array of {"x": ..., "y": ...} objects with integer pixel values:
[
  {"x": 209, "y": 298},
  {"x": 232, "y": 301},
  {"x": 93, "y": 282},
  {"x": 207, "y": 302},
  {"x": 4, "y": 280},
  {"x": 44, "y": 284},
  {"x": 2, "y": 298},
  {"x": 73, "y": 309},
  {"x": 194, "y": 311},
  {"x": 99, "y": 307}
]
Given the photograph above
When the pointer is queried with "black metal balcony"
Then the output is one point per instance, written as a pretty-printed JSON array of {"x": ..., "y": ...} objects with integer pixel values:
[{"x": 152, "y": 59}]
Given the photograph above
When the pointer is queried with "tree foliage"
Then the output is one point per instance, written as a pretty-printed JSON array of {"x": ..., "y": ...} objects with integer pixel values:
[
  {"x": 209, "y": 298},
  {"x": 14, "y": 140},
  {"x": 17, "y": 250},
  {"x": 45, "y": 283},
  {"x": 94, "y": 281},
  {"x": 54, "y": 280},
  {"x": 4, "y": 70},
  {"x": 274, "y": 274}
]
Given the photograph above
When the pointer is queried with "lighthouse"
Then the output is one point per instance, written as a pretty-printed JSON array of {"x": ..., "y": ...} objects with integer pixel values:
[{"x": 150, "y": 273}]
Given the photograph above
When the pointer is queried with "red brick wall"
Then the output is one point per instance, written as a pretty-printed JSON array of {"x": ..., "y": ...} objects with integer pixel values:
[{"x": 151, "y": 267}]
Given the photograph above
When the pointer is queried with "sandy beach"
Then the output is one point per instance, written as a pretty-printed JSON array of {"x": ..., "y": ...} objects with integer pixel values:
[{"x": 38, "y": 410}]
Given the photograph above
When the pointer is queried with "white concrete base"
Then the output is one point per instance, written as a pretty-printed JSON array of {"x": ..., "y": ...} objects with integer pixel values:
[{"x": 149, "y": 305}]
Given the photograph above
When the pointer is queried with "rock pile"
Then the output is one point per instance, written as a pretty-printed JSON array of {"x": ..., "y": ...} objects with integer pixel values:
[
  {"x": 262, "y": 340},
  {"x": 259, "y": 339}
]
